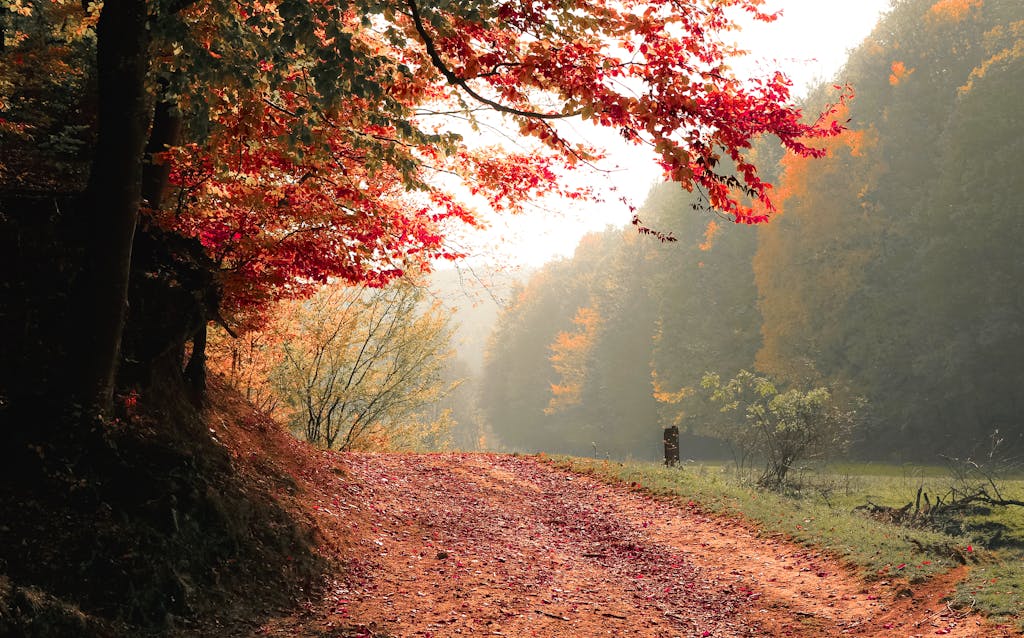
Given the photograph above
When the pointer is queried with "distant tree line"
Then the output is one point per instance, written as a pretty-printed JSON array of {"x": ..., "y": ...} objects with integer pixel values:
[{"x": 892, "y": 272}]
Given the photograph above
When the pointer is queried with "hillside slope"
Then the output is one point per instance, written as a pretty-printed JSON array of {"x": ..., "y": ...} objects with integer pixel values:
[{"x": 169, "y": 522}]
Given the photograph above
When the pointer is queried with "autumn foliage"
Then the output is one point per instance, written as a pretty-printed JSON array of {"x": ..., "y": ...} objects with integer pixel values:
[
  {"x": 263, "y": 149},
  {"x": 888, "y": 271},
  {"x": 294, "y": 175},
  {"x": 295, "y": 142},
  {"x": 569, "y": 358}
]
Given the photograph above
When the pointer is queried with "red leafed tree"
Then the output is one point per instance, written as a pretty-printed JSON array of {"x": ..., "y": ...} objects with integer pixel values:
[{"x": 301, "y": 140}]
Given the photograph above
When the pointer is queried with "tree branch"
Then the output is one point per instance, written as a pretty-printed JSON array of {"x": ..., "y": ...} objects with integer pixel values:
[
  {"x": 177, "y": 6},
  {"x": 439, "y": 64}
]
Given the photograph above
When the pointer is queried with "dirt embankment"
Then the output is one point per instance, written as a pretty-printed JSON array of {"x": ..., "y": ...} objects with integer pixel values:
[{"x": 482, "y": 545}]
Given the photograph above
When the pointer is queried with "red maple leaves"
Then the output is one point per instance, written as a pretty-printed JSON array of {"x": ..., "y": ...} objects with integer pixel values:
[{"x": 333, "y": 158}]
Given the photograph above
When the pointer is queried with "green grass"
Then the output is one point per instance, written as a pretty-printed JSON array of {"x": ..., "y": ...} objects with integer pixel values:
[{"x": 819, "y": 513}]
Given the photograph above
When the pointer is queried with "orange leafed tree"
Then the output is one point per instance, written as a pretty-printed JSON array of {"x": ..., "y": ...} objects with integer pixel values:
[
  {"x": 899, "y": 71},
  {"x": 952, "y": 10},
  {"x": 799, "y": 306},
  {"x": 570, "y": 355}
]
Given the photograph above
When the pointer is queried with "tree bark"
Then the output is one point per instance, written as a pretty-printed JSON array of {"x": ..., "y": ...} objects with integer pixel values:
[
  {"x": 165, "y": 133},
  {"x": 112, "y": 199},
  {"x": 195, "y": 371}
]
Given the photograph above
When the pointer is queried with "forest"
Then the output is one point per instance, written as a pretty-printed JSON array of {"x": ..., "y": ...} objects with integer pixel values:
[
  {"x": 888, "y": 276},
  {"x": 231, "y": 274}
]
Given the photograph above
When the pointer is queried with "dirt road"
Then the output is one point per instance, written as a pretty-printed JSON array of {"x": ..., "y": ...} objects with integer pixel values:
[{"x": 480, "y": 545}]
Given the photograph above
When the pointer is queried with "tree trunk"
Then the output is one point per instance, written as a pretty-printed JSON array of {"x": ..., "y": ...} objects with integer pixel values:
[
  {"x": 671, "y": 441},
  {"x": 112, "y": 199},
  {"x": 195, "y": 371},
  {"x": 165, "y": 133}
]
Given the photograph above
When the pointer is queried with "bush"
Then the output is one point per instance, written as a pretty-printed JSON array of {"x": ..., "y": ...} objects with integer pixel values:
[{"x": 782, "y": 428}]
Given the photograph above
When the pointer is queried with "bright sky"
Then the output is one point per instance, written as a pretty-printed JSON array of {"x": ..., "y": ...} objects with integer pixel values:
[{"x": 809, "y": 43}]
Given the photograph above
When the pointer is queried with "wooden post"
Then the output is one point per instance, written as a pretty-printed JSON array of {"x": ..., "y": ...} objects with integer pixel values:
[{"x": 671, "y": 440}]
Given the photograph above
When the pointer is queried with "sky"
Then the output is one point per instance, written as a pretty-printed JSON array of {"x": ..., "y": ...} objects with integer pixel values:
[{"x": 809, "y": 43}]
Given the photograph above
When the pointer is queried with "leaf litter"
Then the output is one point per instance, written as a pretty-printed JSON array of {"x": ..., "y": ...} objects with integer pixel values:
[{"x": 492, "y": 545}]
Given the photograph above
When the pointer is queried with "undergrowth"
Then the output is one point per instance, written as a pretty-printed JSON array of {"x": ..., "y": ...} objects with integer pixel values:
[
  {"x": 154, "y": 526},
  {"x": 819, "y": 510}
]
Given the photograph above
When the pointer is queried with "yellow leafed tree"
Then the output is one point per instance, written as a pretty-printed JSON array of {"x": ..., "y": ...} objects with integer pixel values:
[{"x": 352, "y": 367}]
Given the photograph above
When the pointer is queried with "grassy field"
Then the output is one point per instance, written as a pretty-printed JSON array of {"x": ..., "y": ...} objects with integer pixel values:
[{"x": 819, "y": 511}]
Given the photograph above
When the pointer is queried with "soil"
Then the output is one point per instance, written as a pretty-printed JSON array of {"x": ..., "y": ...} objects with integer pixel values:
[
  {"x": 487, "y": 545},
  {"x": 221, "y": 524}
]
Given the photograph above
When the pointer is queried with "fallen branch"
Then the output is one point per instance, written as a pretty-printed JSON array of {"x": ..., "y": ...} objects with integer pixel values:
[
  {"x": 609, "y": 614},
  {"x": 550, "y": 615},
  {"x": 982, "y": 496}
]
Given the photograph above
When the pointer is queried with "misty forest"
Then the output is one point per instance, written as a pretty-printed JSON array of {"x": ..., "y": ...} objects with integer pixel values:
[
  {"x": 238, "y": 337},
  {"x": 889, "y": 277}
]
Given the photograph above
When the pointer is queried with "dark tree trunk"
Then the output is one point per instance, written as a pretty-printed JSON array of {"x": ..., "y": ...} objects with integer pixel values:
[
  {"x": 195, "y": 371},
  {"x": 166, "y": 132},
  {"x": 671, "y": 441},
  {"x": 112, "y": 199}
]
